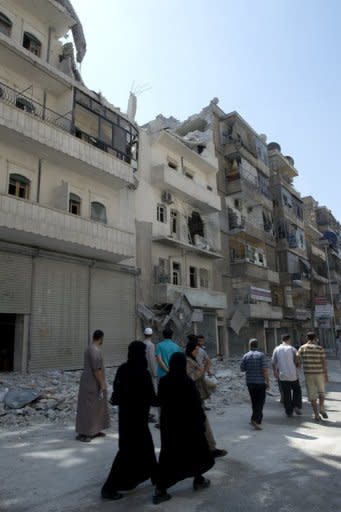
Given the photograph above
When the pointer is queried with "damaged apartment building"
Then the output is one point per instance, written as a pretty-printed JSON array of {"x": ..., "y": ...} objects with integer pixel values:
[
  {"x": 247, "y": 270},
  {"x": 67, "y": 209},
  {"x": 178, "y": 235}
]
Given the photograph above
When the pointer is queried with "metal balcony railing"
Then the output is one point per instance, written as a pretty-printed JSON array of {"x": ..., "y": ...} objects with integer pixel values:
[{"x": 23, "y": 102}]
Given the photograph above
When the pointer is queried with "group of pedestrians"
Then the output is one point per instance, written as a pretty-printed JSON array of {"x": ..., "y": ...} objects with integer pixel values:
[
  {"x": 161, "y": 376},
  {"x": 286, "y": 361}
]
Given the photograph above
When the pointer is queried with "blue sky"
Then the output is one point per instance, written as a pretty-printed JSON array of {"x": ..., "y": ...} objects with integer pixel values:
[{"x": 277, "y": 62}]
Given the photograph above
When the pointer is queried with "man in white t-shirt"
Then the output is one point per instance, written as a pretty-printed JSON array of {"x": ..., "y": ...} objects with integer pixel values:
[{"x": 284, "y": 364}]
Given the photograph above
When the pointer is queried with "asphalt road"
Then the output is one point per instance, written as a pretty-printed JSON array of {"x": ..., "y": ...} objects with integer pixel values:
[{"x": 293, "y": 465}]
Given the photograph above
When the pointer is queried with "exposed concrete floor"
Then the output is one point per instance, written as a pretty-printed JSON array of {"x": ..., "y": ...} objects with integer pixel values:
[{"x": 293, "y": 465}]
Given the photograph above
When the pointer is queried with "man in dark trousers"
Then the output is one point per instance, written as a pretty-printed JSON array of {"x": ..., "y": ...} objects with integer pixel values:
[
  {"x": 284, "y": 364},
  {"x": 255, "y": 365}
]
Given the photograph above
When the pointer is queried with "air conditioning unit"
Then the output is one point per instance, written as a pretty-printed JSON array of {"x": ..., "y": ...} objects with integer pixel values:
[{"x": 166, "y": 197}]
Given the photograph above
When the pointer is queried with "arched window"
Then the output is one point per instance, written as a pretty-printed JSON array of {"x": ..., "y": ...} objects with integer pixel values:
[
  {"x": 74, "y": 204},
  {"x": 19, "y": 186},
  {"x": 5, "y": 25},
  {"x": 98, "y": 212},
  {"x": 32, "y": 44}
]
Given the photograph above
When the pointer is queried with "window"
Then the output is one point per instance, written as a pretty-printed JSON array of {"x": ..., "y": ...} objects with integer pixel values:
[
  {"x": 103, "y": 128},
  {"x": 176, "y": 273},
  {"x": 193, "y": 278},
  {"x": 204, "y": 277},
  {"x": 19, "y": 186},
  {"x": 5, "y": 25},
  {"x": 32, "y": 44},
  {"x": 161, "y": 213},
  {"x": 74, "y": 204},
  {"x": 174, "y": 222},
  {"x": 25, "y": 105},
  {"x": 188, "y": 174},
  {"x": 172, "y": 164},
  {"x": 98, "y": 212}
]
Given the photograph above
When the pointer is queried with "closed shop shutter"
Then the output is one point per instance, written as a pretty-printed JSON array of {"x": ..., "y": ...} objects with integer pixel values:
[
  {"x": 59, "y": 328},
  {"x": 209, "y": 329},
  {"x": 15, "y": 283},
  {"x": 112, "y": 309}
]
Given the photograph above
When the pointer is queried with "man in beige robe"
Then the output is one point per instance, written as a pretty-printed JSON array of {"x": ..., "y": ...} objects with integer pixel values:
[{"x": 92, "y": 408}]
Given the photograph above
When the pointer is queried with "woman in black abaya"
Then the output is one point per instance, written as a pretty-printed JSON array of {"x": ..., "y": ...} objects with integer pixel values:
[
  {"x": 184, "y": 449},
  {"x": 134, "y": 394}
]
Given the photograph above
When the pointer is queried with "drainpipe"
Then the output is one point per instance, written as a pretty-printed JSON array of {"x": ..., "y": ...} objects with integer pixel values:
[
  {"x": 49, "y": 45},
  {"x": 39, "y": 179}
]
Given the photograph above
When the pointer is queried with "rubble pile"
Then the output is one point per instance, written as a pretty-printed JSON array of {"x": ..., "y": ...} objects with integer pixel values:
[{"x": 57, "y": 394}]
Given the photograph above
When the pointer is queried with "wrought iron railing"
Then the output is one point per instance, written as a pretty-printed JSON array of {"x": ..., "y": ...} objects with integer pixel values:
[{"x": 23, "y": 102}]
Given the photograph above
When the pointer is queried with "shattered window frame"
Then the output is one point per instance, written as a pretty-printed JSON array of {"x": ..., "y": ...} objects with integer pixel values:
[{"x": 124, "y": 135}]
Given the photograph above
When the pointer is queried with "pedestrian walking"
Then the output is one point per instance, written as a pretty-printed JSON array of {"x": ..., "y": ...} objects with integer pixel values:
[
  {"x": 184, "y": 449},
  {"x": 255, "y": 365},
  {"x": 134, "y": 394},
  {"x": 315, "y": 370},
  {"x": 284, "y": 364},
  {"x": 150, "y": 355},
  {"x": 164, "y": 351},
  {"x": 197, "y": 374},
  {"x": 92, "y": 407},
  {"x": 151, "y": 360},
  {"x": 203, "y": 358}
]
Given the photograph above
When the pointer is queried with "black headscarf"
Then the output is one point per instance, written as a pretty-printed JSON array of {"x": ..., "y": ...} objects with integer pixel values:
[
  {"x": 177, "y": 366},
  {"x": 191, "y": 345},
  {"x": 137, "y": 355}
]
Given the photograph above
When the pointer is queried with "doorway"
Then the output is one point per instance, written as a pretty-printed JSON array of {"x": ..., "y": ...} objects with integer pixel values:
[{"x": 7, "y": 330}]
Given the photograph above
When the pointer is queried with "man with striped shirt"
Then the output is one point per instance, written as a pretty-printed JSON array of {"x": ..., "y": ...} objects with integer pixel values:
[
  {"x": 255, "y": 365},
  {"x": 315, "y": 372}
]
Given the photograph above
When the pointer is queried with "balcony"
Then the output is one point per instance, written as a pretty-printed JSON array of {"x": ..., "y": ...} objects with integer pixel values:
[
  {"x": 173, "y": 181},
  {"x": 262, "y": 311},
  {"x": 252, "y": 233},
  {"x": 238, "y": 183},
  {"x": 30, "y": 223},
  {"x": 251, "y": 271},
  {"x": 166, "y": 293},
  {"x": 281, "y": 164},
  {"x": 27, "y": 124},
  {"x": 234, "y": 149},
  {"x": 35, "y": 69},
  {"x": 199, "y": 250},
  {"x": 301, "y": 280}
]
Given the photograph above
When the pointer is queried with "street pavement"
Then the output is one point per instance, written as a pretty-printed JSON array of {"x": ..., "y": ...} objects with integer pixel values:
[{"x": 292, "y": 465}]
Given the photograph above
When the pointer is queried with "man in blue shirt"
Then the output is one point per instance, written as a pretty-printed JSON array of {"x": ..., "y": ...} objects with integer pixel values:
[
  {"x": 164, "y": 351},
  {"x": 255, "y": 365}
]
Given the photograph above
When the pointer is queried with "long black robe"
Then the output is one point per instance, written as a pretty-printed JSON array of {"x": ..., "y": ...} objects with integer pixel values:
[
  {"x": 184, "y": 449},
  {"x": 135, "y": 461}
]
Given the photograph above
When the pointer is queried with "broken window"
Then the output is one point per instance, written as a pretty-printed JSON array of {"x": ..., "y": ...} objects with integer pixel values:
[
  {"x": 19, "y": 186},
  {"x": 98, "y": 212},
  {"x": 204, "y": 277},
  {"x": 24, "y": 104},
  {"x": 5, "y": 25},
  {"x": 74, "y": 204},
  {"x": 161, "y": 213},
  {"x": 174, "y": 222},
  {"x": 172, "y": 164},
  {"x": 195, "y": 226},
  {"x": 32, "y": 44},
  {"x": 176, "y": 273},
  {"x": 193, "y": 277}
]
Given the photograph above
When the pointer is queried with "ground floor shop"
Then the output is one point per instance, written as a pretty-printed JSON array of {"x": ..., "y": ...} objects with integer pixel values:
[{"x": 50, "y": 303}]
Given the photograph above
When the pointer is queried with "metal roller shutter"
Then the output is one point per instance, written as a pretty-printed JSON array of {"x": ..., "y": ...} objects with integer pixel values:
[
  {"x": 209, "y": 329},
  {"x": 15, "y": 283},
  {"x": 112, "y": 309},
  {"x": 59, "y": 328}
]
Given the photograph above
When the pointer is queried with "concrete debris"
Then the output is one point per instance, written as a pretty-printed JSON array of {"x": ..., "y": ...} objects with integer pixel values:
[
  {"x": 57, "y": 402},
  {"x": 18, "y": 398}
]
